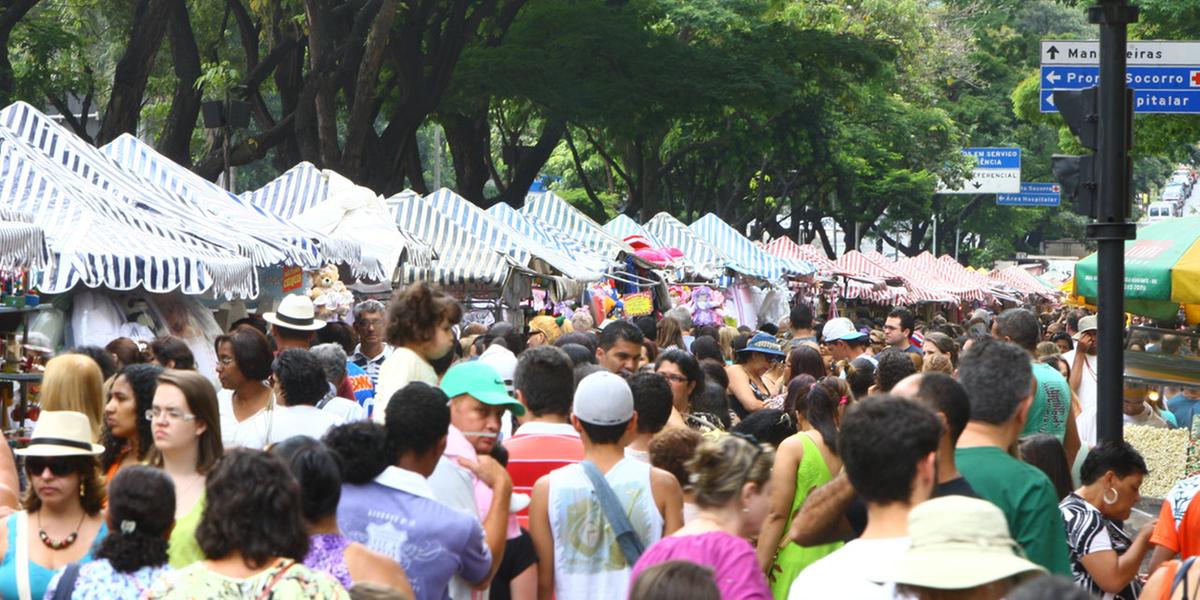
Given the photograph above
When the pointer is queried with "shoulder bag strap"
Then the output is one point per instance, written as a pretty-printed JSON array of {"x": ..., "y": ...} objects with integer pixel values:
[
  {"x": 1181, "y": 577},
  {"x": 23, "y": 589},
  {"x": 627, "y": 538},
  {"x": 266, "y": 592},
  {"x": 66, "y": 583}
]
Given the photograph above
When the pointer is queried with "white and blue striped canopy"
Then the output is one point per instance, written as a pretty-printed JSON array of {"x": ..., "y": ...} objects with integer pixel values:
[
  {"x": 462, "y": 257},
  {"x": 22, "y": 242},
  {"x": 294, "y": 245},
  {"x": 101, "y": 243},
  {"x": 127, "y": 192},
  {"x": 548, "y": 208},
  {"x": 304, "y": 187},
  {"x": 707, "y": 261},
  {"x": 545, "y": 235},
  {"x": 621, "y": 227},
  {"x": 746, "y": 257}
]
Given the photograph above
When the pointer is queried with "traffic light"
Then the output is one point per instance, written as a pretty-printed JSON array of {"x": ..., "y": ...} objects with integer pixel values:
[{"x": 1077, "y": 174}]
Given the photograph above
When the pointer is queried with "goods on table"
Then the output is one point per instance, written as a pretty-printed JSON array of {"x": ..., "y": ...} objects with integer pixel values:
[{"x": 1166, "y": 454}]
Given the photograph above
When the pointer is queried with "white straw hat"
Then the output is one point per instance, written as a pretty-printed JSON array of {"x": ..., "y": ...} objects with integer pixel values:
[
  {"x": 61, "y": 433},
  {"x": 958, "y": 543},
  {"x": 296, "y": 311}
]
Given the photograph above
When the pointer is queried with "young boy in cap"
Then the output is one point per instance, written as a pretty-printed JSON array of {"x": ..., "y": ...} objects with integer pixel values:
[{"x": 579, "y": 556}]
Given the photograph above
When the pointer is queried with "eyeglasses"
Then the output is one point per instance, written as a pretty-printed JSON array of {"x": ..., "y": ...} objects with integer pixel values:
[
  {"x": 36, "y": 465},
  {"x": 673, "y": 377},
  {"x": 173, "y": 414}
]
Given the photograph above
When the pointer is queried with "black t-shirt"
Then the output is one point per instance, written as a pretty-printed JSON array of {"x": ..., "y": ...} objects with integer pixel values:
[{"x": 856, "y": 513}]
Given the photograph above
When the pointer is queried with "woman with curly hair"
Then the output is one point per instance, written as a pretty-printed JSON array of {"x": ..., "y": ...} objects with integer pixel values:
[
  {"x": 419, "y": 327},
  {"x": 126, "y": 436},
  {"x": 140, "y": 516},
  {"x": 253, "y": 536}
]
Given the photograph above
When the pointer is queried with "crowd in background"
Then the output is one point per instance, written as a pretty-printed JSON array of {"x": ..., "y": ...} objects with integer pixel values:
[{"x": 409, "y": 455}]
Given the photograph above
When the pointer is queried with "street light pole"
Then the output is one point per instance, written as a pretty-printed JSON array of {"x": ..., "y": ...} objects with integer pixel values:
[{"x": 1111, "y": 228}]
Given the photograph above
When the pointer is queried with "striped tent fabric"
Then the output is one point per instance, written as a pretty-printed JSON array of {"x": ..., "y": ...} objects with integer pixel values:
[
  {"x": 856, "y": 287},
  {"x": 920, "y": 285},
  {"x": 159, "y": 210},
  {"x": 707, "y": 261},
  {"x": 22, "y": 243},
  {"x": 101, "y": 244},
  {"x": 547, "y": 236},
  {"x": 525, "y": 251},
  {"x": 549, "y": 208},
  {"x": 1024, "y": 282},
  {"x": 393, "y": 202},
  {"x": 857, "y": 263},
  {"x": 752, "y": 259},
  {"x": 621, "y": 227},
  {"x": 304, "y": 187},
  {"x": 295, "y": 246},
  {"x": 953, "y": 280},
  {"x": 999, "y": 289},
  {"x": 462, "y": 257}
]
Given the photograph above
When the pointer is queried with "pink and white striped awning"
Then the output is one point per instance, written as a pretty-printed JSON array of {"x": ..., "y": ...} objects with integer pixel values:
[
  {"x": 857, "y": 286},
  {"x": 1023, "y": 281},
  {"x": 877, "y": 265},
  {"x": 950, "y": 277}
]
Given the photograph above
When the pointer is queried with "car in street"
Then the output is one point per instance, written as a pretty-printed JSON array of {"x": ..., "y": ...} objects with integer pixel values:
[
  {"x": 1173, "y": 193},
  {"x": 1160, "y": 211}
]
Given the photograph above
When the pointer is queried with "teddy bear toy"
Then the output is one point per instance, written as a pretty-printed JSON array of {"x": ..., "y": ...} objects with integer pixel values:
[{"x": 330, "y": 296}]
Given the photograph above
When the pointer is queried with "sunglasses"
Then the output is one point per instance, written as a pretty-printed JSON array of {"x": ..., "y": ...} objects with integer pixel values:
[{"x": 60, "y": 467}]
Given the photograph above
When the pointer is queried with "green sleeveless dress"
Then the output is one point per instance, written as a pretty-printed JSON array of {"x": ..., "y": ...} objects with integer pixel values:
[{"x": 792, "y": 559}]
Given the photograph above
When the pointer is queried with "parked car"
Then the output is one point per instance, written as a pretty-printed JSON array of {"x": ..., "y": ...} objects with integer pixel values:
[
  {"x": 1173, "y": 193},
  {"x": 1160, "y": 211}
]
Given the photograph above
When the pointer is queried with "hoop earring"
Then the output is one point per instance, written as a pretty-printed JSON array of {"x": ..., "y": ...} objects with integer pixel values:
[{"x": 1116, "y": 496}]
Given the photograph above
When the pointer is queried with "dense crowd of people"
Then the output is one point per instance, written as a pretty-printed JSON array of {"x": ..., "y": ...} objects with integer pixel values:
[{"x": 409, "y": 455}]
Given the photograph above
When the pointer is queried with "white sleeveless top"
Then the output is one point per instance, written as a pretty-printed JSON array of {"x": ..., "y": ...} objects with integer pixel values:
[{"x": 588, "y": 563}]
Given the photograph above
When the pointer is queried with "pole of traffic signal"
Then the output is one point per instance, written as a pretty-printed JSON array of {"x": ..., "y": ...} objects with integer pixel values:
[{"x": 1111, "y": 227}]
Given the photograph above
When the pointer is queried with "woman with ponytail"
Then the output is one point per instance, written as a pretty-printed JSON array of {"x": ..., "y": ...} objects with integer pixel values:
[
  {"x": 803, "y": 462},
  {"x": 141, "y": 507}
]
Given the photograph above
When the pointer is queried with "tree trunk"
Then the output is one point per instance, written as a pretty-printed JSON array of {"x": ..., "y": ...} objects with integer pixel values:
[
  {"x": 133, "y": 70},
  {"x": 531, "y": 162},
  {"x": 12, "y": 13},
  {"x": 175, "y": 141},
  {"x": 469, "y": 138},
  {"x": 361, "y": 121}
]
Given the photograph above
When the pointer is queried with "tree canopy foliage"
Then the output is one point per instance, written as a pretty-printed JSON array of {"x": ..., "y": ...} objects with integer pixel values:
[{"x": 785, "y": 116}]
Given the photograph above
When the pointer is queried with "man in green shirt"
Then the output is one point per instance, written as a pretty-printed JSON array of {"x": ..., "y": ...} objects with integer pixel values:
[
  {"x": 1050, "y": 411},
  {"x": 1000, "y": 384}
]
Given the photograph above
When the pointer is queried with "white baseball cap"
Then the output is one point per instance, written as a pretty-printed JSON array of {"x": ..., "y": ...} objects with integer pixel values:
[
  {"x": 840, "y": 329},
  {"x": 603, "y": 399}
]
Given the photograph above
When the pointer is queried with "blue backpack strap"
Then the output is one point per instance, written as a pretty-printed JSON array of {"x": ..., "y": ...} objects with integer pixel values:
[
  {"x": 1181, "y": 576},
  {"x": 628, "y": 540},
  {"x": 66, "y": 583}
]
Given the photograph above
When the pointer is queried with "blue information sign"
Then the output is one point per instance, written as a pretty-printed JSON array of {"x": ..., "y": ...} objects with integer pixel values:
[
  {"x": 1032, "y": 194},
  {"x": 1163, "y": 80},
  {"x": 1078, "y": 77},
  {"x": 1148, "y": 101}
]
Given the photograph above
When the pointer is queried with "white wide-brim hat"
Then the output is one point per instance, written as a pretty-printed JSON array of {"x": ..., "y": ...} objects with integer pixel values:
[
  {"x": 61, "y": 433},
  {"x": 296, "y": 311}
]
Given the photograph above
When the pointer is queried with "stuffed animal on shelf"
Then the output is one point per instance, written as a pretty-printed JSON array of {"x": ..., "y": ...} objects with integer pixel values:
[
  {"x": 329, "y": 295},
  {"x": 707, "y": 306}
]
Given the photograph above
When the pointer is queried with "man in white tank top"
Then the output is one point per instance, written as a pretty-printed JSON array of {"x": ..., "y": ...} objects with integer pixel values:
[{"x": 578, "y": 553}]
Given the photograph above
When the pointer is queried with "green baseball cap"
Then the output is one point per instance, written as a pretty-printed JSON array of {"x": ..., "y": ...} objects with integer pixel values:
[{"x": 481, "y": 382}]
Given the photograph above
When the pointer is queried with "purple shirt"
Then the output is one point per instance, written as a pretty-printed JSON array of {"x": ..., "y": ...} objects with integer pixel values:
[
  {"x": 732, "y": 560},
  {"x": 397, "y": 516}
]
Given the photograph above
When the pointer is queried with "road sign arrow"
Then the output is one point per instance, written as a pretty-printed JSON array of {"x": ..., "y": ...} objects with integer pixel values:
[
  {"x": 1053, "y": 52},
  {"x": 1050, "y": 99},
  {"x": 977, "y": 185},
  {"x": 1053, "y": 77}
]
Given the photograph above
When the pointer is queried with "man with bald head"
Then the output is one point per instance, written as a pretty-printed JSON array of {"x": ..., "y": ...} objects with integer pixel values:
[{"x": 947, "y": 398}]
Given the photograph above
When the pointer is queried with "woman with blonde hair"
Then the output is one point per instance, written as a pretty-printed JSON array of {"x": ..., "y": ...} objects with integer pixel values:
[
  {"x": 73, "y": 382},
  {"x": 727, "y": 334},
  {"x": 730, "y": 479}
]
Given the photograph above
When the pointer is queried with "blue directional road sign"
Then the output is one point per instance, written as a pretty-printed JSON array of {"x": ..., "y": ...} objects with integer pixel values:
[
  {"x": 1148, "y": 101},
  {"x": 1032, "y": 194},
  {"x": 997, "y": 171},
  {"x": 1164, "y": 75}
]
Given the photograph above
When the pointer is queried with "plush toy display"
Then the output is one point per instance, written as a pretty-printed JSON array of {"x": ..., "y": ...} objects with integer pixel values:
[
  {"x": 329, "y": 295},
  {"x": 707, "y": 306}
]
